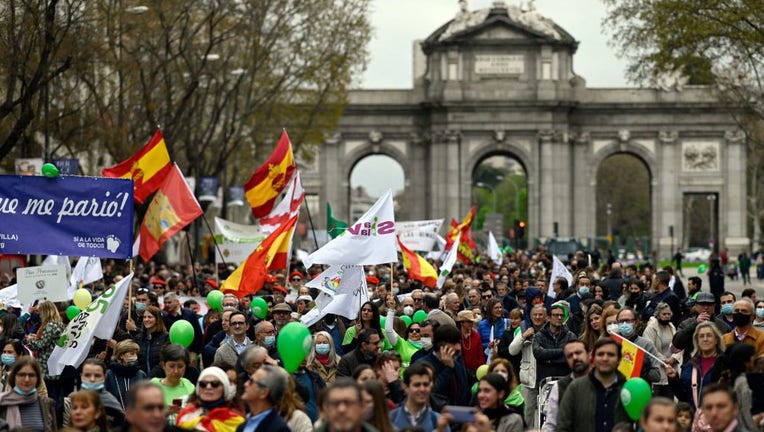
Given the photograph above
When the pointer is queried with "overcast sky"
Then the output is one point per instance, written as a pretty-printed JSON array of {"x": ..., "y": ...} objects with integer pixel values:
[{"x": 397, "y": 23}]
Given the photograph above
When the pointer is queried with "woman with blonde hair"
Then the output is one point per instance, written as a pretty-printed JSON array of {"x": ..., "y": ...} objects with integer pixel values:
[
  {"x": 292, "y": 410},
  {"x": 124, "y": 370},
  {"x": 44, "y": 341},
  {"x": 88, "y": 413},
  {"x": 503, "y": 367},
  {"x": 323, "y": 358}
]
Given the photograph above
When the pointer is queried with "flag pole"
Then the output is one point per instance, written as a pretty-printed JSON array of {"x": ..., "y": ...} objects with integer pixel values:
[
  {"x": 312, "y": 227},
  {"x": 217, "y": 247},
  {"x": 193, "y": 266},
  {"x": 130, "y": 291}
]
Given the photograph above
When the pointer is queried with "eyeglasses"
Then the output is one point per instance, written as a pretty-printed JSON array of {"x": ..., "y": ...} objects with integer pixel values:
[
  {"x": 210, "y": 384},
  {"x": 26, "y": 375},
  {"x": 411, "y": 330},
  {"x": 237, "y": 323},
  {"x": 258, "y": 383}
]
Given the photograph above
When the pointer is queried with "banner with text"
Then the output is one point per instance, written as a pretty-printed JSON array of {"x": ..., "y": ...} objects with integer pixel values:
[
  {"x": 419, "y": 236},
  {"x": 236, "y": 241},
  {"x": 80, "y": 216}
]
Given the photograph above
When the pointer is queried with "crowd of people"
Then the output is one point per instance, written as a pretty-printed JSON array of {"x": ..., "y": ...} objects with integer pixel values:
[{"x": 494, "y": 349}]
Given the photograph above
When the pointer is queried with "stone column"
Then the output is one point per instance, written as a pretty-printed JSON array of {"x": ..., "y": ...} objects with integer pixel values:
[
  {"x": 584, "y": 185},
  {"x": 417, "y": 181},
  {"x": 554, "y": 180},
  {"x": 444, "y": 174},
  {"x": 733, "y": 208},
  {"x": 666, "y": 198},
  {"x": 334, "y": 186}
]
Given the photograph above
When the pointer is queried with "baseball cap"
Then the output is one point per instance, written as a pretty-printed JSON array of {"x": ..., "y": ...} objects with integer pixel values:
[{"x": 705, "y": 297}]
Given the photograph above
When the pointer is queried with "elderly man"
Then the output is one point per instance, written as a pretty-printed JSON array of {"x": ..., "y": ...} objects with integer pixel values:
[
  {"x": 281, "y": 314},
  {"x": 174, "y": 312},
  {"x": 265, "y": 336},
  {"x": 523, "y": 343},
  {"x": 705, "y": 305},
  {"x": 145, "y": 408},
  {"x": 745, "y": 332},
  {"x": 453, "y": 305},
  {"x": 262, "y": 392}
]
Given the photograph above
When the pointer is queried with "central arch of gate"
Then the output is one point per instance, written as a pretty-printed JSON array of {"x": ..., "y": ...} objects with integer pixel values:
[{"x": 501, "y": 81}]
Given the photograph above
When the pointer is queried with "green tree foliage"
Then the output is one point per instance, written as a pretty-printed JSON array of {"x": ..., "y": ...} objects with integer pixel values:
[
  {"x": 711, "y": 42},
  {"x": 623, "y": 181},
  {"x": 221, "y": 78}
]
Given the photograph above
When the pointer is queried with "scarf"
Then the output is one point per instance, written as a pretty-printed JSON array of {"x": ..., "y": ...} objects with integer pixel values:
[
  {"x": 12, "y": 400},
  {"x": 323, "y": 359},
  {"x": 221, "y": 419}
]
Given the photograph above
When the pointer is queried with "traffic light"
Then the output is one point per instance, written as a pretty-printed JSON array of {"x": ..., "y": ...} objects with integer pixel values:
[{"x": 521, "y": 229}]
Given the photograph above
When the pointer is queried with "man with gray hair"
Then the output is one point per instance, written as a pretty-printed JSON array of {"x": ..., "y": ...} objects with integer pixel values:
[
  {"x": 230, "y": 301},
  {"x": 262, "y": 392}
]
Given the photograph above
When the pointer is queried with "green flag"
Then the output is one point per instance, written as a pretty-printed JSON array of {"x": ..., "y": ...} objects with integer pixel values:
[{"x": 333, "y": 226}]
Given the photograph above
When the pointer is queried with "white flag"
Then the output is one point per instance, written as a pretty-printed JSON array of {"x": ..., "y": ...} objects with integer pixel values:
[
  {"x": 558, "y": 270},
  {"x": 493, "y": 249},
  {"x": 343, "y": 290},
  {"x": 58, "y": 260},
  {"x": 97, "y": 320},
  {"x": 371, "y": 240},
  {"x": 449, "y": 262},
  {"x": 87, "y": 270},
  {"x": 436, "y": 255},
  {"x": 420, "y": 235}
]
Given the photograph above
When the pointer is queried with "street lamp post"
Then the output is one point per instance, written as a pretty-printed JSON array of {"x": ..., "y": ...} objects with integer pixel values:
[
  {"x": 493, "y": 192},
  {"x": 609, "y": 212},
  {"x": 711, "y": 207}
]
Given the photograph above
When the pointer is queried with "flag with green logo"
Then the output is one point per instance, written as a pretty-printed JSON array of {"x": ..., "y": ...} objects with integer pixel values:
[{"x": 333, "y": 226}]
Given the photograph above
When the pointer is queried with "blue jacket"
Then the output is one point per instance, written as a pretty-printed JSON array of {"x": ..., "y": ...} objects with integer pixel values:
[
  {"x": 449, "y": 383},
  {"x": 400, "y": 420},
  {"x": 484, "y": 328},
  {"x": 682, "y": 386}
]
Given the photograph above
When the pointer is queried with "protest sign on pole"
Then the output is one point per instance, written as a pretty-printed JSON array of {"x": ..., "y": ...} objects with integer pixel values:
[
  {"x": 42, "y": 283},
  {"x": 79, "y": 216},
  {"x": 420, "y": 236}
]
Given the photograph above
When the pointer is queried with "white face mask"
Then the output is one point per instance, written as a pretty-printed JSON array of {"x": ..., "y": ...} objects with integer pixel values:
[
  {"x": 408, "y": 310},
  {"x": 426, "y": 342},
  {"x": 612, "y": 328}
]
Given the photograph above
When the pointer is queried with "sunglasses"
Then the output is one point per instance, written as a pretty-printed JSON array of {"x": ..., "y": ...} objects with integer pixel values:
[
  {"x": 296, "y": 279},
  {"x": 487, "y": 296},
  {"x": 210, "y": 384},
  {"x": 411, "y": 330}
]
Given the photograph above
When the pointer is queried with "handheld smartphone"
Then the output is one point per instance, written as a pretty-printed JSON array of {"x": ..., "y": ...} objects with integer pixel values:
[
  {"x": 177, "y": 401},
  {"x": 461, "y": 414}
]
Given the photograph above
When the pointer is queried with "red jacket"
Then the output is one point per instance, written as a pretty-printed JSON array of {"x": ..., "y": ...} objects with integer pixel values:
[{"x": 472, "y": 351}]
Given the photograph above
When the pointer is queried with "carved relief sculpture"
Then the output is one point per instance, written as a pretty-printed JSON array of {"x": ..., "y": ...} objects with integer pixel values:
[{"x": 700, "y": 156}]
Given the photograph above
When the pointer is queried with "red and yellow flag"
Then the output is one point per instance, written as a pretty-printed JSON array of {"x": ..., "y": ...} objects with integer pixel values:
[
  {"x": 417, "y": 267},
  {"x": 172, "y": 208},
  {"x": 632, "y": 357},
  {"x": 270, "y": 178},
  {"x": 466, "y": 244},
  {"x": 147, "y": 168},
  {"x": 272, "y": 254}
]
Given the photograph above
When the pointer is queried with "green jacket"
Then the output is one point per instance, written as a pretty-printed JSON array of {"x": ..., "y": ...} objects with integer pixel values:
[{"x": 578, "y": 407}]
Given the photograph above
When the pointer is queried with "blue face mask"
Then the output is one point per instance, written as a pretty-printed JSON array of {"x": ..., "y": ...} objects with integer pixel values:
[
  {"x": 322, "y": 348},
  {"x": 583, "y": 290},
  {"x": 269, "y": 341},
  {"x": 140, "y": 306},
  {"x": 625, "y": 329},
  {"x": 8, "y": 359},
  {"x": 17, "y": 390},
  {"x": 760, "y": 312},
  {"x": 727, "y": 309},
  {"x": 92, "y": 386}
]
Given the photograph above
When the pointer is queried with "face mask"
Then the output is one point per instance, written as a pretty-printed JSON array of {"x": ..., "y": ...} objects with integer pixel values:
[
  {"x": 504, "y": 374},
  {"x": 408, "y": 310},
  {"x": 131, "y": 361},
  {"x": 92, "y": 386},
  {"x": 760, "y": 312},
  {"x": 426, "y": 343},
  {"x": 727, "y": 309},
  {"x": 395, "y": 291},
  {"x": 583, "y": 290},
  {"x": 741, "y": 320},
  {"x": 8, "y": 359},
  {"x": 269, "y": 341},
  {"x": 625, "y": 329},
  {"x": 612, "y": 328},
  {"x": 17, "y": 390},
  {"x": 416, "y": 344},
  {"x": 140, "y": 306},
  {"x": 322, "y": 348}
]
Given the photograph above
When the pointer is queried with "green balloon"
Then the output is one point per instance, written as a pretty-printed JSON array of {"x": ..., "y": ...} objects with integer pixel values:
[
  {"x": 420, "y": 316},
  {"x": 702, "y": 268},
  {"x": 72, "y": 311},
  {"x": 259, "y": 307},
  {"x": 634, "y": 396},
  {"x": 382, "y": 322},
  {"x": 474, "y": 388},
  {"x": 182, "y": 333},
  {"x": 294, "y": 344},
  {"x": 406, "y": 319},
  {"x": 215, "y": 300},
  {"x": 49, "y": 170}
]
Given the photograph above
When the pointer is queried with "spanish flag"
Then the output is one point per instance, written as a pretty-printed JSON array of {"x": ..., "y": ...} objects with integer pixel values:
[
  {"x": 632, "y": 357},
  {"x": 272, "y": 254},
  {"x": 466, "y": 245},
  {"x": 147, "y": 168},
  {"x": 417, "y": 267},
  {"x": 270, "y": 179},
  {"x": 172, "y": 208}
]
